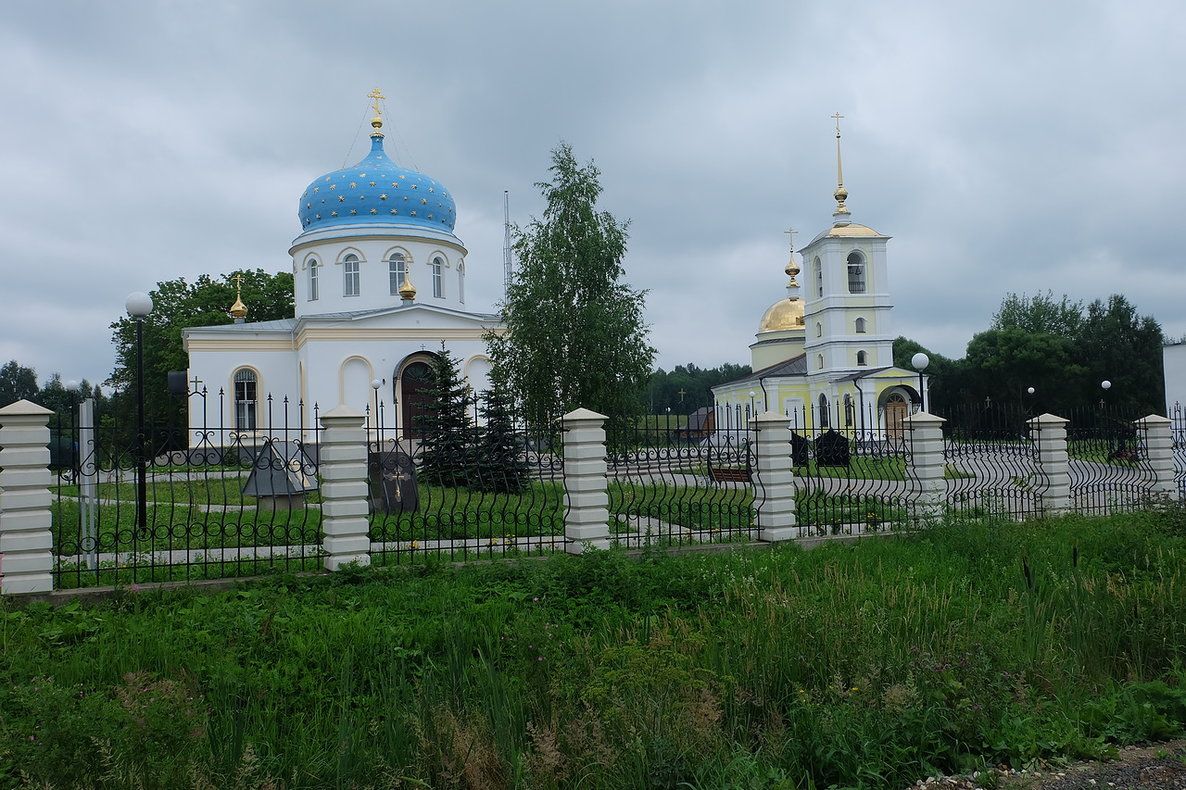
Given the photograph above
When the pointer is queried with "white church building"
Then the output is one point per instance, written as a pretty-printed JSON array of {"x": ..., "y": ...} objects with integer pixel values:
[{"x": 380, "y": 283}]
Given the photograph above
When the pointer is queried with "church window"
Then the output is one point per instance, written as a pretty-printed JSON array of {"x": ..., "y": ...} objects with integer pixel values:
[
  {"x": 819, "y": 361},
  {"x": 461, "y": 282},
  {"x": 862, "y": 359},
  {"x": 350, "y": 271},
  {"x": 819, "y": 329},
  {"x": 438, "y": 283},
  {"x": 856, "y": 273},
  {"x": 245, "y": 399},
  {"x": 860, "y": 326},
  {"x": 819, "y": 277},
  {"x": 314, "y": 291},
  {"x": 824, "y": 422},
  {"x": 396, "y": 269}
]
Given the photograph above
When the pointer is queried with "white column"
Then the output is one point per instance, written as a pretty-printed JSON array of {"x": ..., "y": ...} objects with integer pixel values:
[
  {"x": 1050, "y": 434},
  {"x": 26, "y": 521},
  {"x": 927, "y": 464},
  {"x": 586, "y": 481},
  {"x": 774, "y": 486},
  {"x": 342, "y": 463},
  {"x": 1157, "y": 443}
]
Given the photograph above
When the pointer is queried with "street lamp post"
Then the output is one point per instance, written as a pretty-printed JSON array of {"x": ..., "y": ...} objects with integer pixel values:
[
  {"x": 919, "y": 362},
  {"x": 139, "y": 305}
]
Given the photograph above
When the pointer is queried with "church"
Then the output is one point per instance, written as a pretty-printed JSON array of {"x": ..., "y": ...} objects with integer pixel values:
[
  {"x": 825, "y": 357},
  {"x": 380, "y": 282}
]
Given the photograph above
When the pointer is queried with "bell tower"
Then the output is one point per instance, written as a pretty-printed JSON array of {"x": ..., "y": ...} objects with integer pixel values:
[{"x": 847, "y": 302}]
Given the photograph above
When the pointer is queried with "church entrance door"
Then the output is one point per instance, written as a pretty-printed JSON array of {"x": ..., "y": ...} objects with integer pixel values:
[
  {"x": 416, "y": 381},
  {"x": 896, "y": 411}
]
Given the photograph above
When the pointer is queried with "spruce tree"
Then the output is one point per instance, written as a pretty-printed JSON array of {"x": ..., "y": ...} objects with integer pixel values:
[
  {"x": 447, "y": 428},
  {"x": 501, "y": 454}
]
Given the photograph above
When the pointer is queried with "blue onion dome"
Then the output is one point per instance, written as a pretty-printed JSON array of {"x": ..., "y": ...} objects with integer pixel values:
[{"x": 377, "y": 190}]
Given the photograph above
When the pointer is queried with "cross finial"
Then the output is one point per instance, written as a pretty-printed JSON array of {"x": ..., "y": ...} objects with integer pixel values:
[
  {"x": 238, "y": 309},
  {"x": 841, "y": 194},
  {"x": 376, "y": 96},
  {"x": 792, "y": 233}
]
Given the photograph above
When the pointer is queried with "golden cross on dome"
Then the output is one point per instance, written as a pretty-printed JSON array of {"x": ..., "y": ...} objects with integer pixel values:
[
  {"x": 841, "y": 194},
  {"x": 377, "y": 121},
  {"x": 792, "y": 233},
  {"x": 238, "y": 278}
]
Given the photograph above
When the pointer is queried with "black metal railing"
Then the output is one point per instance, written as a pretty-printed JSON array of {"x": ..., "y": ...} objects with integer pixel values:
[
  {"x": 492, "y": 486},
  {"x": 852, "y": 470},
  {"x": 1109, "y": 465},
  {"x": 1178, "y": 432},
  {"x": 218, "y": 499},
  {"x": 675, "y": 483},
  {"x": 991, "y": 457}
]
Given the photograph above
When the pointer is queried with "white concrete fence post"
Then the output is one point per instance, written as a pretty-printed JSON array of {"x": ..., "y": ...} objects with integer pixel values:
[
  {"x": 586, "y": 481},
  {"x": 927, "y": 465},
  {"x": 1054, "y": 467},
  {"x": 342, "y": 463},
  {"x": 26, "y": 520},
  {"x": 1157, "y": 441},
  {"x": 774, "y": 483}
]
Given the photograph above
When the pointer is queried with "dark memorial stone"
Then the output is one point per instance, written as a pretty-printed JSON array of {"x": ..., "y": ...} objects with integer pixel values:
[
  {"x": 280, "y": 482},
  {"x": 799, "y": 450},
  {"x": 391, "y": 475},
  {"x": 831, "y": 449}
]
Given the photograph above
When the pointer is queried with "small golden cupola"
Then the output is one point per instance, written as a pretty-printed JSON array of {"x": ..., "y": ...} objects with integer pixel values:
[
  {"x": 407, "y": 291},
  {"x": 786, "y": 314},
  {"x": 238, "y": 310}
]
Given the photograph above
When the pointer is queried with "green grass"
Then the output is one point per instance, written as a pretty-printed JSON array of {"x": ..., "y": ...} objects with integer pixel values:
[
  {"x": 661, "y": 422},
  {"x": 860, "y": 665}
]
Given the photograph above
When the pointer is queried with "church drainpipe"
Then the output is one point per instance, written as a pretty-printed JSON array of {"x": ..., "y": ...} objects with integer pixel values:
[
  {"x": 765, "y": 395},
  {"x": 860, "y": 402}
]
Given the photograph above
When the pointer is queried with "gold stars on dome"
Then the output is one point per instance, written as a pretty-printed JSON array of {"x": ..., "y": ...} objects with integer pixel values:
[
  {"x": 341, "y": 198},
  {"x": 333, "y": 213},
  {"x": 353, "y": 184},
  {"x": 332, "y": 187},
  {"x": 383, "y": 196},
  {"x": 238, "y": 309},
  {"x": 374, "y": 211}
]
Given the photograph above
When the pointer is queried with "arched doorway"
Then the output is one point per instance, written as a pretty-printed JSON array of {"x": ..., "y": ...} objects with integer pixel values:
[
  {"x": 415, "y": 385},
  {"x": 896, "y": 411}
]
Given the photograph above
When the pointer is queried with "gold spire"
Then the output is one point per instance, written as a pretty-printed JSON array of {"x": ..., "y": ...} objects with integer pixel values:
[
  {"x": 407, "y": 291},
  {"x": 792, "y": 269},
  {"x": 841, "y": 194},
  {"x": 377, "y": 121},
  {"x": 238, "y": 309}
]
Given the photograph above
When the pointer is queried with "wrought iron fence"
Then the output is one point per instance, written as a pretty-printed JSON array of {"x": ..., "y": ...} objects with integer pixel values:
[
  {"x": 489, "y": 486},
  {"x": 1178, "y": 431},
  {"x": 210, "y": 499},
  {"x": 991, "y": 459},
  {"x": 1109, "y": 464},
  {"x": 852, "y": 469},
  {"x": 675, "y": 483}
]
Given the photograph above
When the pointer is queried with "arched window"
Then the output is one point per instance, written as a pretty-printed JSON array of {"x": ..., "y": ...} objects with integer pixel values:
[
  {"x": 819, "y": 278},
  {"x": 856, "y": 273},
  {"x": 396, "y": 269},
  {"x": 862, "y": 359},
  {"x": 314, "y": 290},
  {"x": 461, "y": 282},
  {"x": 819, "y": 360},
  {"x": 245, "y": 399},
  {"x": 823, "y": 421},
  {"x": 438, "y": 282},
  {"x": 351, "y": 273},
  {"x": 860, "y": 326},
  {"x": 819, "y": 329}
]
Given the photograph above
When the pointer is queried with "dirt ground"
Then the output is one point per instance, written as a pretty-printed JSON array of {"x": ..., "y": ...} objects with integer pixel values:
[{"x": 1159, "y": 767}]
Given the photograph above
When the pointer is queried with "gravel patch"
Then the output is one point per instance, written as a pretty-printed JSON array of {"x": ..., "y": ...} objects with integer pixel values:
[{"x": 1160, "y": 767}]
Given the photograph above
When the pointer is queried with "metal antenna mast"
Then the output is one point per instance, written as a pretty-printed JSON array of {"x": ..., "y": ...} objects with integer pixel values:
[{"x": 507, "y": 261}]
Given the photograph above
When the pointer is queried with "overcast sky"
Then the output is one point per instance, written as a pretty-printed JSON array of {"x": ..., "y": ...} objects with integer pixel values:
[{"x": 1006, "y": 146}]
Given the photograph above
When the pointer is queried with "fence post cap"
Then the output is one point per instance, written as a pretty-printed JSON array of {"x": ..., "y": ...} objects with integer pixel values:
[
  {"x": 342, "y": 410},
  {"x": 772, "y": 416},
  {"x": 1047, "y": 419},
  {"x": 584, "y": 415},
  {"x": 24, "y": 408},
  {"x": 924, "y": 418},
  {"x": 1153, "y": 419}
]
